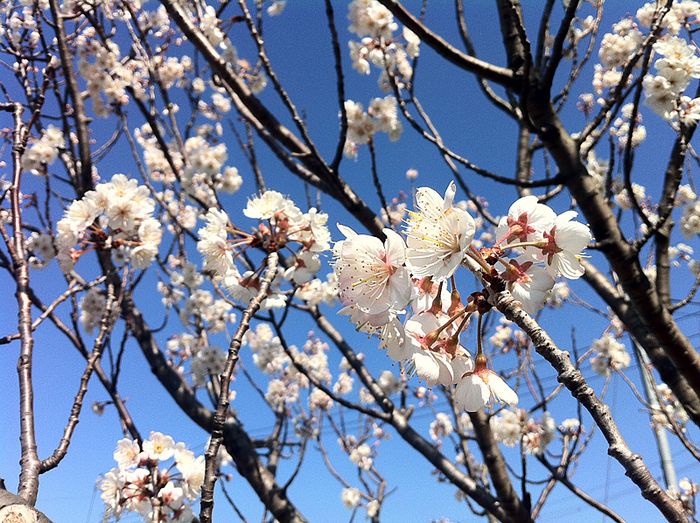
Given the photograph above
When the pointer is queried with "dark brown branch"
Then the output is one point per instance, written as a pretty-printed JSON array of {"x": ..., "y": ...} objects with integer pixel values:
[
  {"x": 496, "y": 100},
  {"x": 493, "y": 459},
  {"x": 340, "y": 87},
  {"x": 663, "y": 364},
  {"x": 106, "y": 323},
  {"x": 500, "y": 75},
  {"x": 571, "y": 377},
  {"x": 558, "y": 45},
  {"x": 219, "y": 418},
  {"x": 606, "y": 230}
]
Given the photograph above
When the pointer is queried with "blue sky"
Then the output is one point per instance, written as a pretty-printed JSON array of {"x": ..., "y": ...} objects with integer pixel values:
[{"x": 299, "y": 48}]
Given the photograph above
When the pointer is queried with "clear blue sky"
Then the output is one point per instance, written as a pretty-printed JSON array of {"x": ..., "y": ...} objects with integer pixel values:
[{"x": 300, "y": 50}]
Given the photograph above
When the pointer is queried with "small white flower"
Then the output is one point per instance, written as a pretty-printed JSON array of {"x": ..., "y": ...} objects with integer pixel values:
[
  {"x": 370, "y": 273},
  {"x": 213, "y": 244},
  {"x": 159, "y": 446},
  {"x": 351, "y": 497},
  {"x": 276, "y": 7},
  {"x": 127, "y": 453},
  {"x": 479, "y": 388},
  {"x": 111, "y": 485},
  {"x": 436, "y": 360},
  {"x": 610, "y": 355},
  {"x": 565, "y": 242},
  {"x": 438, "y": 234},
  {"x": 527, "y": 221},
  {"x": 268, "y": 205},
  {"x": 528, "y": 283}
]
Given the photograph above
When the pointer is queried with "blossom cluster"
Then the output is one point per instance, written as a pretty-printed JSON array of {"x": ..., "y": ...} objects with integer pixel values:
[
  {"x": 40, "y": 245},
  {"x": 20, "y": 25},
  {"x": 690, "y": 220},
  {"x": 201, "y": 166},
  {"x": 109, "y": 78},
  {"x": 380, "y": 281},
  {"x": 513, "y": 427},
  {"x": 382, "y": 116},
  {"x": 677, "y": 66},
  {"x": 143, "y": 482},
  {"x": 282, "y": 224},
  {"x": 202, "y": 315},
  {"x": 610, "y": 355},
  {"x": 669, "y": 411},
  {"x": 620, "y": 130},
  {"x": 361, "y": 450},
  {"x": 676, "y": 61},
  {"x": 44, "y": 151},
  {"x": 379, "y": 45},
  {"x": 116, "y": 216},
  {"x": 686, "y": 492},
  {"x": 286, "y": 382},
  {"x": 92, "y": 309},
  {"x": 615, "y": 50}
]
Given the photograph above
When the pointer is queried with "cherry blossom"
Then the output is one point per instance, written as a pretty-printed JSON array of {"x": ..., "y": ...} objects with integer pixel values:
[
  {"x": 526, "y": 221},
  {"x": 370, "y": 273},
  {"x": 141, "y": 485},
  {"x": 528, "y": 283},
  {"x": 438, "y": 234},
  {"x": 565, "y": 242},
  {"x": 482, "y": 387}
]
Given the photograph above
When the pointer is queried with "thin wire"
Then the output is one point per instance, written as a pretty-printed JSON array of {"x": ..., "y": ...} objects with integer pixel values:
[{"x": 92, "y": 504}]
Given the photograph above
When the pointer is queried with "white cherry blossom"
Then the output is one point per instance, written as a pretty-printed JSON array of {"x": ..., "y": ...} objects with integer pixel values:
[
  {"x": 528, "y": 283},
  {"x": 482, "y": 387},
  {"x": 438, "y": 234},
  {"x": 526, "y": 221},
  {"x": 565, "y": 242},
  {"x": 370, "y": 273}
]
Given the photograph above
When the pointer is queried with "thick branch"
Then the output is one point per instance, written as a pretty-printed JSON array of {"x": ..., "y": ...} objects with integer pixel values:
[
  {"x": 621, "y": 255},
  {"x": 571, "y": 377},
  {"x": 8, "y": 501},
  {"x": 493, "y": 459},
  {"x": 483, "y": 69},
  {"x": 663, "y": 364}
]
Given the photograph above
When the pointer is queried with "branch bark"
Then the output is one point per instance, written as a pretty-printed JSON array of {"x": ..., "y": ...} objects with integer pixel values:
[
  {"x": 29, "y": 462},
  {"x": 493, "y": 459},
  {"x": 500, "y": 75},
  {"x": 8, "y": 501},
  {"x": 620, "y": 254},
  {"x": 219, "y": 418},
  {"x": 571, "y": 377}
]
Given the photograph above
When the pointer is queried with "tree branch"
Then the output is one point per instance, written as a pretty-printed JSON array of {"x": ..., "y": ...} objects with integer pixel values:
[
  {"x": 219, "y": 418},
  {"x": 571, "y": 377}
]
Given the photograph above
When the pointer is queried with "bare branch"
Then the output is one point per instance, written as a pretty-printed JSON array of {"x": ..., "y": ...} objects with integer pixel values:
[
  {"x": 219, "y": 418},
  {"x": 500, "y": 75},
  {"x": 634, "y": 466}
]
